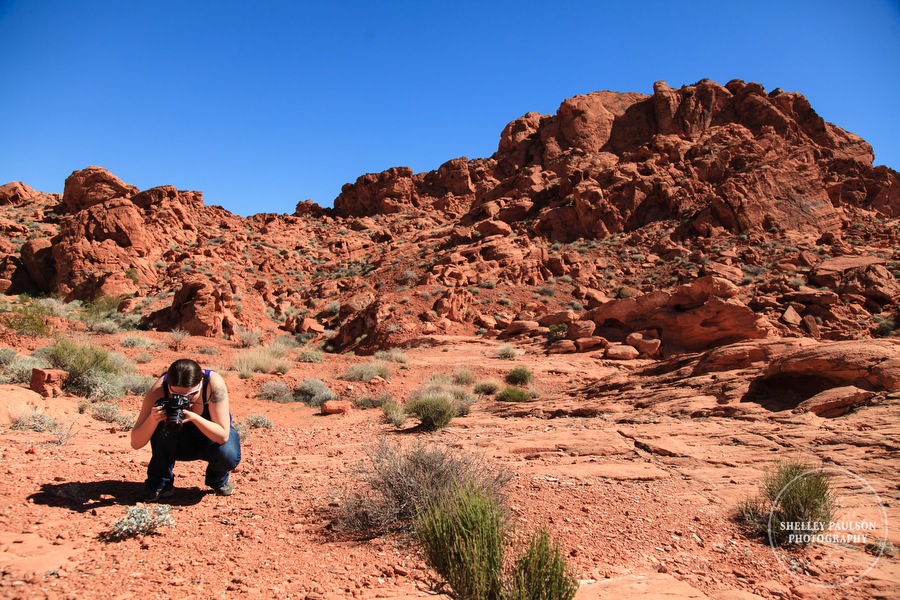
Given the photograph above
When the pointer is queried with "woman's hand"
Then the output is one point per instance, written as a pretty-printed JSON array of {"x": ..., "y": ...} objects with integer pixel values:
[
  {"x": 190, "y": 416},
  {"x": 157, "y": 415}
]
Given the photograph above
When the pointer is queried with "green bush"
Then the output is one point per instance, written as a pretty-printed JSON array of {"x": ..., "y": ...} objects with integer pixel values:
[
  {"x": 506, "y": 351},
  {"x": 29, "y": 320},
  {"x": 463, "y": 376},
  {"x": 391, "y": 355},
  {"x": 399, "y": 481},
  {"x": 513, "y": 394},
  {"x": 311, "y": 356},
  {"x": 462, "y": 535},
  {"x": 487, "y": 388},
  {"x": 791, "y": 493},
  {"x": 366, "y": 372},
  {"x": 394, "y": 413},
  {"x": 541, "y": 572},
  {"x": 434, "y": 409},
  {"x": 93, "y": 371},
  {"x": 558, "y": 332},
  {"x": 259, "y": 360},
  {"x": 372, "y": 401},
  {"x": 313, "y": 392},
  {"x": 519, "y": 376}
]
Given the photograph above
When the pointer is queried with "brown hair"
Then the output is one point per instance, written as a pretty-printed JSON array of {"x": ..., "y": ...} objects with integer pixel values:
[{"x": 184, "y": 373}]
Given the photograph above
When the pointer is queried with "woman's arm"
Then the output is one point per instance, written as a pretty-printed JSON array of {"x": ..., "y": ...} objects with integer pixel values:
[
  {"x": 149, "y": 417},
  {"x": 218, "y": 426}
]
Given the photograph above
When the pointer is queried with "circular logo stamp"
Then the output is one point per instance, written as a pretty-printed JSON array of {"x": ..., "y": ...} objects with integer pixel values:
[{"x": 845, "y": 534}]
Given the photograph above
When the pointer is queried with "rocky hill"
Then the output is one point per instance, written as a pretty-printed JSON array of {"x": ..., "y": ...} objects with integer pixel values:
[
  {"x": 701, "y": 282},
  {"x": 678, "y": 221}
]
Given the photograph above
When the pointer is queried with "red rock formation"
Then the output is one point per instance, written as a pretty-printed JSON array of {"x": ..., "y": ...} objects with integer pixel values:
[{"x": 685, "y": 204}]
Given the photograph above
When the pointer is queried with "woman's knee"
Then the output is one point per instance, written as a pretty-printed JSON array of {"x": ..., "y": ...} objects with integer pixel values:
[{"x": 228, "y": 455}]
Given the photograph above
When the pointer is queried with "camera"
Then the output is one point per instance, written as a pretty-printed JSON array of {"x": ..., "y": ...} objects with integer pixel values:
[{"x": 174, "y": 406}]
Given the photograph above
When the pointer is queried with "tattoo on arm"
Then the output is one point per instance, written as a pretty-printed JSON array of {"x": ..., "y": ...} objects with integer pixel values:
[{"x": 216, "y": 395}]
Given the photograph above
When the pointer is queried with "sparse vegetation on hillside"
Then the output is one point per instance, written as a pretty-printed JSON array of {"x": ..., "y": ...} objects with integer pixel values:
[
  {"x": 792, "y": 495},
  {"x": 93, "y": 371}
]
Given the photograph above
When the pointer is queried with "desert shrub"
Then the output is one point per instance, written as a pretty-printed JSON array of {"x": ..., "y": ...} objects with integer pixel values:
[
  {"x": 259, "y": 360},
  {"x": 143, "y": 358},
  {"x": 372, "y": 401},
  {"x": 440, "y": 379},
  {"x": 286, "y": 342},
  {"x": 506, "y": 351},
  {"x": 391, "y": 355},
  {"x": 246, "y": 338},
  {"x": 135, "y": 384},
  {"x": 332, "y": 308},
  {"x": 30, "y": 418},
  {"x": 519, "y": 376},
  {"x": 541, "y": 572},
  {"x": 242, "y": 430},
  {"x": 104, "y": 326},
  {"x": 513, "y": 394},
  {"x": 791, "y": 493},
  {"x": 398, "y": 481},
  {"x": 394, "y": 413},
  {"x": 7, "y": 355},
  {"x": 207, "y": 351},
  {"x": 487, "y": 388},
  {"x": 177, "y": 337},
  {"x": 18, "y": 370},
  {"x": 56, "y": 307},
  {"x": 105, "y": 411},
  {"x": 140, "y": 520},
  {"x": 462, "y": 534},
  {"x": 311, "y": 356},
  {"x": 432, "y": 397},
  {"x": 366, "y": 372},
  {"x": 93, "y": 371},
  {"x": 558, "y": 332},
  {"x": 313, "y": 392},
  {"x": 29, "y": 320},
  {"x": 259, "y": 422},
  {"x": 275, "y": 391},
  {"x": 885, "y": 326},
  {"x": 463, "y": 376},
  {"x": 136, "y": 341},
  {"x": 99, "y": 385},
  {"x": 434, "y": 409},
  {"x": 100, "y": 309}
]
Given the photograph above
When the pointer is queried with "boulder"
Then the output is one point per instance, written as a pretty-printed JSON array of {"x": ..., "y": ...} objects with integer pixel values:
[
  {"x": 337, "y": 407},
  {"x": 835, "y": 402},
  {"x": 647, "y": 346},
  {"x": 48, "y": 382},
  {"x": 622, "y": 352}
]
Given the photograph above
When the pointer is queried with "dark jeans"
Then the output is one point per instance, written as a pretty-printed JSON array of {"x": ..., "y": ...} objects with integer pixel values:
[{"x": 190, "y": 444}]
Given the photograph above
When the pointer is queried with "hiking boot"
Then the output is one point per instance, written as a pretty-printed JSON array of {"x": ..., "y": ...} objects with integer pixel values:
[
  {"x": 152, "y": 495},
  {"x": 225, "y": 489}
]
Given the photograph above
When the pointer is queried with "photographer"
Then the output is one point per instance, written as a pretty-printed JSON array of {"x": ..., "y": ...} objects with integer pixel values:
[{"x": 185, "y": 416}]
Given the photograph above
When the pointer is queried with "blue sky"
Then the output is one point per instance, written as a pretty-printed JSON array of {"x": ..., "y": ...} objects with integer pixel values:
[{"x": 263, "y": 104}]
